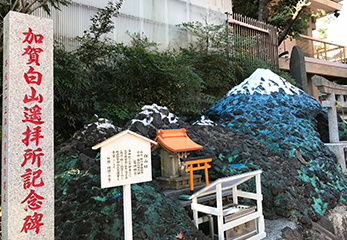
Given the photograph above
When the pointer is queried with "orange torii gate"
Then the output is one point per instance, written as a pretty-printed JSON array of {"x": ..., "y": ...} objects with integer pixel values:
[{"x": 193, "y": 164}]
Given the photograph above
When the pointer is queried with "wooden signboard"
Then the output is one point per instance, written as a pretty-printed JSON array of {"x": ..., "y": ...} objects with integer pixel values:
[{"x": 125, "y": 159}]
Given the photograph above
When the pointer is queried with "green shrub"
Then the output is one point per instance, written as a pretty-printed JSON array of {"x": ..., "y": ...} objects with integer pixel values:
[
  {"x": 71, "y": 92},
  {"x": 114, "y": 80}
]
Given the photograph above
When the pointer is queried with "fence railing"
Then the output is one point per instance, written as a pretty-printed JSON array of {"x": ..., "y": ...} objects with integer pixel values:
[
  {"x": 264, "y": 37},
  {"x": 320, "y": 49}
]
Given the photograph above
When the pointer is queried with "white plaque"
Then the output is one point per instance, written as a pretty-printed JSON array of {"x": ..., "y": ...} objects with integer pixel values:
[{"x": 125, "y": 159}]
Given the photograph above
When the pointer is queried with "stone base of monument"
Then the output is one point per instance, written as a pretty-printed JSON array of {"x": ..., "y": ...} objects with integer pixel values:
[
  {"x": 340, "y": 151},
  {"x": 179, "y": 182}
]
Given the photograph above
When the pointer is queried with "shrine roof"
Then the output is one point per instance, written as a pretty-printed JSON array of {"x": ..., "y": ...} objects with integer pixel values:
[
  {"x": 176, "y": 140},
  {"x": 121, "y": 134}
]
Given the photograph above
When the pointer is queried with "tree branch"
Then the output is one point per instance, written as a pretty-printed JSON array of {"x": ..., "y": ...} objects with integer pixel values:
[
  {"x": 26, "y": 8},
  {"x": 2, "y": 41},
  {"x": 39, "y": 6},
  {"x": 23, "y": 3},
  {"x": 14, "y": 5},
  {"x": 298, "y": 8},
  {"x": 262, "y": 10},
  {"x": 45, "y": 2}
]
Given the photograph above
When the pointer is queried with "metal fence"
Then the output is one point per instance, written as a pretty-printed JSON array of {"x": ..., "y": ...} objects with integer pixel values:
[{"x": 263, "y": 42}]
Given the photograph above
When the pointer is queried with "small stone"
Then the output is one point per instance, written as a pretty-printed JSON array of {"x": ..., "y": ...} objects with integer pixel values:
[
  {"x": 299, "y": 157},
  {"x": 157, "y": 121},
  {"x": 218, "y": 163},
  {"x": 140, "y": 235},
  {"x": 139, "y": 127},
  {"x": 238, "y": 112},
  {"x": 83, "y": 228},
  {"x": 84, "y": 162},
  {"x": 290, "y": 234},
  {"x": 306, "y": 222}
]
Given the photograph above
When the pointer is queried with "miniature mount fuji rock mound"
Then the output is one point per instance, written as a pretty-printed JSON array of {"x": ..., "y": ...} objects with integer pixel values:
[
  {"x": 271, "y": 109},
  {"x": 265, "y": 96}
]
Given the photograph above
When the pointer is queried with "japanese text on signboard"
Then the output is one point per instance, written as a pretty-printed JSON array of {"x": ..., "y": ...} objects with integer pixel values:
[{"x": 126, "y": 164}]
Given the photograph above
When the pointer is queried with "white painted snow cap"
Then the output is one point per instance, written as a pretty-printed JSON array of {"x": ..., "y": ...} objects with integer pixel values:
[
  {"x": 101, "y": 123},
  {"x": 149, "y": 109},
  {"x": 144, "y": 121},
  {"x": 204, "y": 122},
  {"x": 271, "y": 83},
  {"x": 104, "y": 123}
]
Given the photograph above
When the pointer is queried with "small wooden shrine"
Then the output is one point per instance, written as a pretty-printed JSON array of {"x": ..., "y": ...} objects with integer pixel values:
[{"x": 174, "y": 145}]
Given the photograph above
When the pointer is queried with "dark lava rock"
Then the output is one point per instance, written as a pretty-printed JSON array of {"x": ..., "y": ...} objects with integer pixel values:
[
  {"x": 255, "y": 153},
  {"x": 84, "y": 210},
  {"x": 83, "y": 228},
  {"x": 290, "y": 234},
  {"x": 139, "y": 127},
  {"x": 277, "y": 189},
  {"x": 317, "y": 232},
  {"x": 84, "y": 139},
  {"x": 238, "y": 112},
  {"x": 140, "y": 234},
  {"x": 326, "y": 223},
  {"x": 84, "y": 162},
  {"x": 157, "y": 121},
  {"x": 157, "y": 117},
  {"x": 141, "y": 215},
  {"x": 306, "y": 222},
  {"x": 293, "y": 123},
  {"x": 104, "y": 236},
  {"x": 331, "y": 196}
]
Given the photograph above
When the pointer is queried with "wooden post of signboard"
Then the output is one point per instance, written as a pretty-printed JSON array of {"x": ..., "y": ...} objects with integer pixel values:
[
  {"x": 27, "y": 128},
  {"x": 125, "y": 159},
  {"x": 128, "y": 225}
]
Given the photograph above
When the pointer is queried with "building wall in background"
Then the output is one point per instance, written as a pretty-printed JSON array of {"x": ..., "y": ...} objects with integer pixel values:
[{"x": 156, "y": 19}]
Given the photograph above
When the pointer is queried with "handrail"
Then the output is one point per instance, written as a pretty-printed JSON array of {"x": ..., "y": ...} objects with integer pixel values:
[
  {"x": 335, "y": 54},
  {"x": 319, "y": 40}
]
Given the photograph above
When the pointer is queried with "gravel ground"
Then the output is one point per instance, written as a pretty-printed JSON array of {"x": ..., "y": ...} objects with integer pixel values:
[{"x": 273, "y": 228}]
